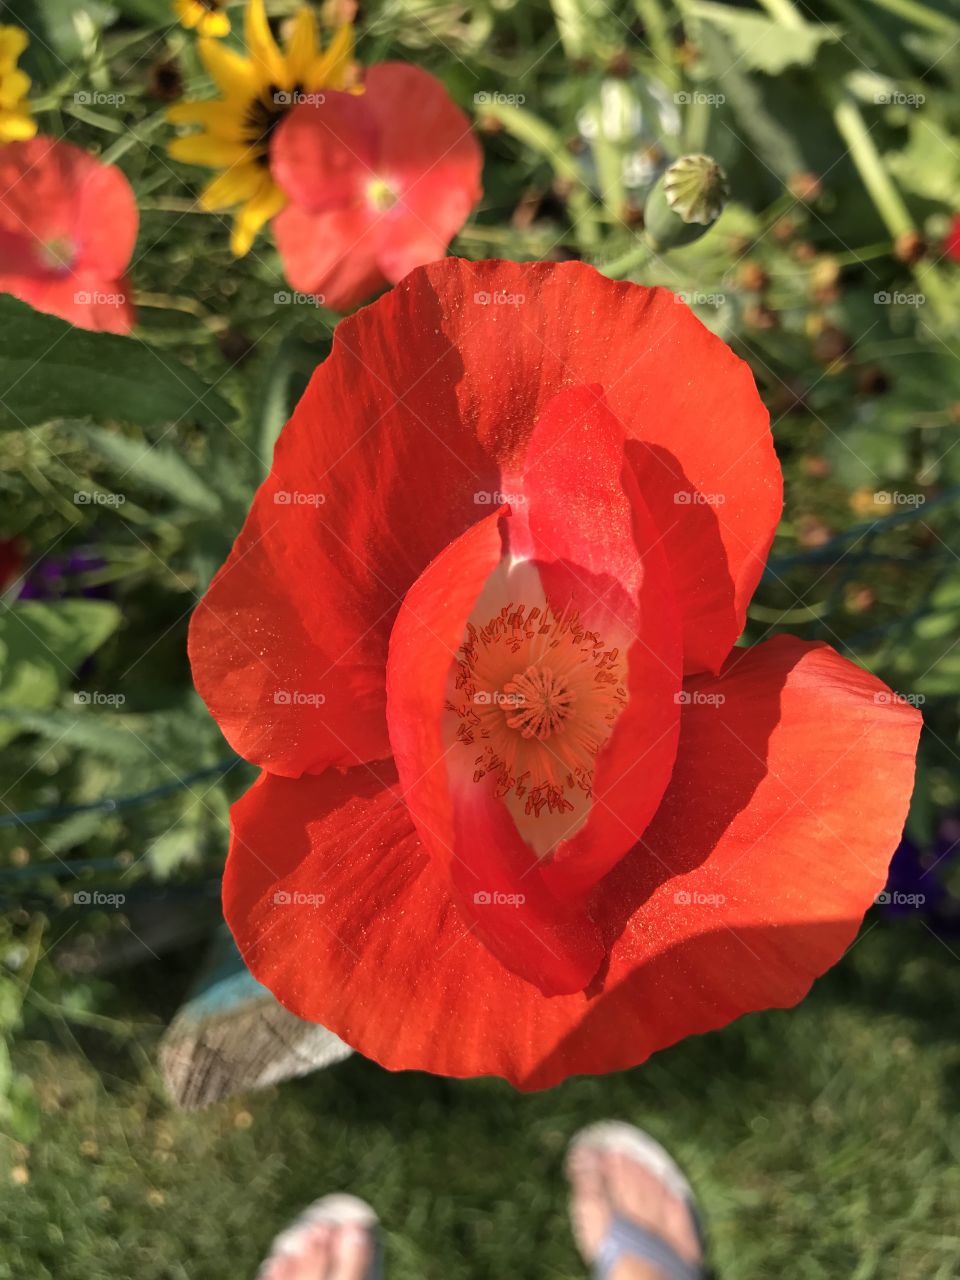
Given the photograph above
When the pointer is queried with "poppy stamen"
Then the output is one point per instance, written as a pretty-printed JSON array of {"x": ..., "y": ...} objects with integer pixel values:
[{"x": 538, "y": 693}]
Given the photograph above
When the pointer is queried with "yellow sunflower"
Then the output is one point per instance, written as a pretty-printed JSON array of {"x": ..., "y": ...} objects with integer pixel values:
[
  {"x": 206, "y": 15},
  {"x": 16, "y": 122},
  {"x": 257, "y": 91}
]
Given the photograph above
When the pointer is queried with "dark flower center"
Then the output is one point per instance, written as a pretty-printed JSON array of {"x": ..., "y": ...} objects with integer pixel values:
[{"x": 264, "y": 114}]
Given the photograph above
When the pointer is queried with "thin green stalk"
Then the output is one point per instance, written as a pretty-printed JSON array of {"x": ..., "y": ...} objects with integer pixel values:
[
  {"x": 920, "y": 15},
  {"x": 639, "y": 256},
  {"x": 888, "y": 54},
  {"x": 657, "y": 28},
  {"x": 883, "y": 192}
]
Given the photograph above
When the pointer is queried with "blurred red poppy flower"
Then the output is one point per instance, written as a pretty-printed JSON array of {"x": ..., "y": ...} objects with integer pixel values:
[
  {"x": 68, "y": 225},
  {"x": 951, "y": 243},
  {"x": 378, "y": 183},
  {"x": 524, "y": 809}
]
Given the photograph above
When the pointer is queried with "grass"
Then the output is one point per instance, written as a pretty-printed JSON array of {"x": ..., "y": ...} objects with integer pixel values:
[{"x": 821, "y": 1141}]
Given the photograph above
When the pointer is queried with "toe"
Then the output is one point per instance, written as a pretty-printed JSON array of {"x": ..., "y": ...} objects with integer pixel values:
[{"x": 589, "y": 1205}]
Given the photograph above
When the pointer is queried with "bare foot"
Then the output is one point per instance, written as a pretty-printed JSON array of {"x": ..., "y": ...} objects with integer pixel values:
[
  {"x": 609, "y": 1181},
  {"x": 333, "y": 1240}
]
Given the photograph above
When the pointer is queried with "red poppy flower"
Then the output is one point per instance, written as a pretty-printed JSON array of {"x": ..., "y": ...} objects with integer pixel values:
[
  {"x": 524, "y": 810},
  {"x": 951, "y": 243},
  {"x": 378, "y": 183},
  {"x": 11, "y": 561},
  {"x": 68, "y": 224}
]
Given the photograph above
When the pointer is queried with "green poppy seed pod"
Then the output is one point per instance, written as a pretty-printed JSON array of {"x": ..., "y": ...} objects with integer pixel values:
[{"x": 686, "y": 201}]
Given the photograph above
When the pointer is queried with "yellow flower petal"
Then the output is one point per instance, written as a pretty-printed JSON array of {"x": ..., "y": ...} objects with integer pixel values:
[
  {"x": 13, "y": 41},
  {"x": 302, "y": 46},
  {"x": 331, "y": 68},
  {"x": 219, "y": 117},
  {"x": 233, "y": 186},
  {"x": 14, "y": 87},
  {"x": 189, "y": 12},
  {"x": 262, "y": 47},
  {"x": 236, "y": 76},
  {"x": 215, "y": 25},
  {"x": 268, "y": 202},
  {"x": 15, "y": 126},
  {"x": 204, "y": 148}
]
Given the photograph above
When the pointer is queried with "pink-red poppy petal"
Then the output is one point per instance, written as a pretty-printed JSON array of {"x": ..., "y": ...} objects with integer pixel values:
[
  {"x": 491, "y": 872},
  {"x": 700, "y": 440},
  {"x": 68, "y": 225},
  {"x": 597, "y": 547},
  {"x": 787, "y": 802},
  {"x": 422, "y": 412},
  {"x": 289, "y": 645},
  {"x": 330, "y": 255},
  {"x": 324, "y": 154}
]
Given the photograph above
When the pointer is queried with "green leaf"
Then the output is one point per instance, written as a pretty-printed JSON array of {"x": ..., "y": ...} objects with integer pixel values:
[
  {"x": 49, "y": 369},
  {"x": 929, "y": 164},
  {"x": 158, "y": 468},
  {"x": 41, "y": 646},
  {"x": 773, "y": 142},
  {"x": 71, "y": 28},
  {"x": 762, "y": 44}
]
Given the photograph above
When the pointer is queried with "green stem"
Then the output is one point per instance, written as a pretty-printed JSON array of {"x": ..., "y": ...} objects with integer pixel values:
[
  {"x": 920, "y": 15},
  {"x": 886, "y": 51},
  {"x": 627, "y": 262},
  {"x": 883, "y": 192},
  {"x": 864, "y": 154},
  {"x": 657, "y": 29}
]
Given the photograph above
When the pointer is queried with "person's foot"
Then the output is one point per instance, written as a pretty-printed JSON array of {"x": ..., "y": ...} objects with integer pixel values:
[
  {"x": 622, "y": 1184},
  {"x": 334, "y": 1239}
]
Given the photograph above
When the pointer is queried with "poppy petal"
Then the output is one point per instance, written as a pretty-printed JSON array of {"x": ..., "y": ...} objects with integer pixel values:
[
  {"x": 595, "y": 542},
  {"x": 329, "y": 254},
  {"x": 787, "y": 801},
  {"x": 404, "y": 440},
  {"x": 429, "y": 156},
  {"x": 68, "y": 225},
  {"x": 323, "y": 155},
  {"x": 345, "y": 523},
  {"x": 699, "y": 434}
]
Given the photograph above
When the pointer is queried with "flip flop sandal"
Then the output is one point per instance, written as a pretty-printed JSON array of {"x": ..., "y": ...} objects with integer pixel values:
[
  {"x": 338, "y": 1210},
  {"x": 627, "y": 1239}
]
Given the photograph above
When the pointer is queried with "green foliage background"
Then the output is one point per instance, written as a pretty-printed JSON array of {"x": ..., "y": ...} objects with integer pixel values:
[{"x": 823, "y": 1139}]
